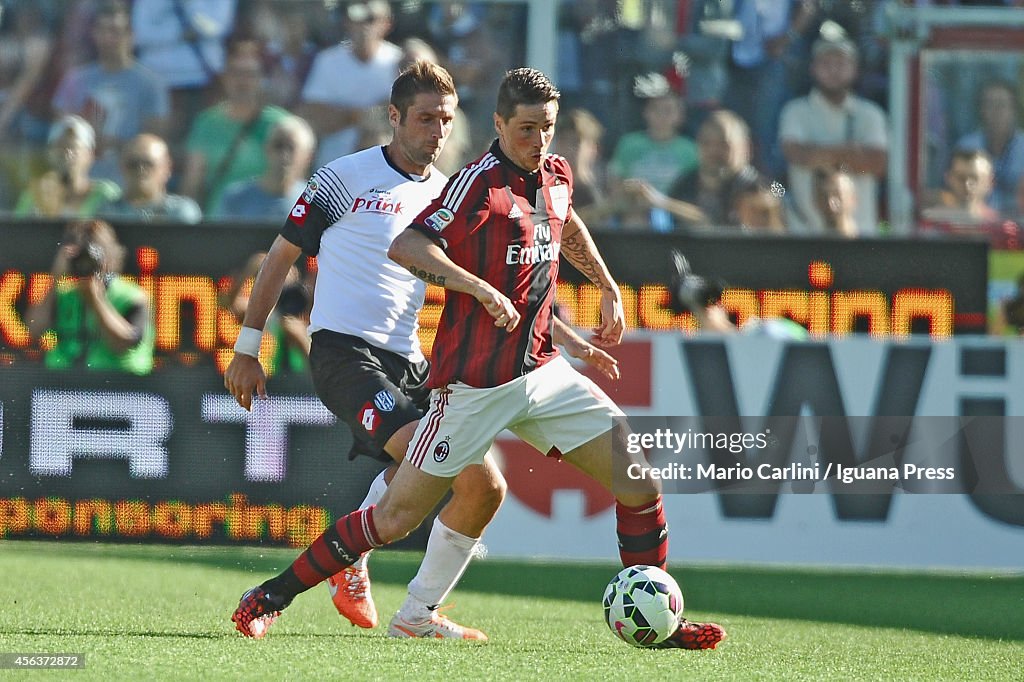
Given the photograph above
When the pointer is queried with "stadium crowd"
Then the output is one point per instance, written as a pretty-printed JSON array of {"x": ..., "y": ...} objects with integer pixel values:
[{"x": 679, "y": 115}]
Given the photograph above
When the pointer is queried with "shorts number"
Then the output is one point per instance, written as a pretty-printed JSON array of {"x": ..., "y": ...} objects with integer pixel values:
[{"x": 369, "y": 419}]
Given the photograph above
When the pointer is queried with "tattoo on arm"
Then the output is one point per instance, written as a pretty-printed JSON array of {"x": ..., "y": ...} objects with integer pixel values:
[
  {"x": 578, "y": 252},
  {"x": 428, "y": 277}
]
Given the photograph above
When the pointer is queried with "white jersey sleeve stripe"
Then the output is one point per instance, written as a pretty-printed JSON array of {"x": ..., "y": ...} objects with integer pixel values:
[
  {"x": 332, "y": 196},
  {"x": 467, "y": 176},
  {"x": 343, "y": 190},
  {"x": 460, "y": 188}
]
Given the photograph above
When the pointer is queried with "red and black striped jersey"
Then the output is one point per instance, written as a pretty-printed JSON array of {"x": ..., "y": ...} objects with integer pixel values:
[{"x": 504, "y": 225}]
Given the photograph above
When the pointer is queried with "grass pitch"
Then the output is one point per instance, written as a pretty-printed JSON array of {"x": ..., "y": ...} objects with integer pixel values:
[{"x": 161, "y": 612}]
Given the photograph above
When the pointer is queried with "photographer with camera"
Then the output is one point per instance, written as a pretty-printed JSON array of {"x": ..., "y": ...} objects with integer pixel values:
[
  {"x": 100, "y": 319},
  {"x": 702, "y": 297},
  {"x": 1009, "y": 314}
]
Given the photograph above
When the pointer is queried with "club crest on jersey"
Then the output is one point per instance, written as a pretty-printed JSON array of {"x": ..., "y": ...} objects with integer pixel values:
[
  {"x": 439, "y": 219},
  {"x": 384, "y": 401},
  {"x": 559, "y": 200},
  {"x": 441, "y": 451}
]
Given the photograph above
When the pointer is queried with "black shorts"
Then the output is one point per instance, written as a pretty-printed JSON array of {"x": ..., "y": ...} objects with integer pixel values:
[{"x": 374, "y": 391}]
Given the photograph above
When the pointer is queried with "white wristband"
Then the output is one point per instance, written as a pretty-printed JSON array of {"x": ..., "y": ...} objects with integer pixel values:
[{"x": 248, "y": 342}]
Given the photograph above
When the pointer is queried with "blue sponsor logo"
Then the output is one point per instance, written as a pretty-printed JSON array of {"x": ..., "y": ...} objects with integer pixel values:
[{"x": 384, "y": 401}]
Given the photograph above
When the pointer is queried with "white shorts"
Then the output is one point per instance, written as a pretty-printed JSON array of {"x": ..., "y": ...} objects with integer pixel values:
[{"x": 551, "y": 407}]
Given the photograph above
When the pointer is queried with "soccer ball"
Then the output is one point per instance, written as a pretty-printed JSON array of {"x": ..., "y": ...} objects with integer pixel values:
[{"x": 642, "y": 605}]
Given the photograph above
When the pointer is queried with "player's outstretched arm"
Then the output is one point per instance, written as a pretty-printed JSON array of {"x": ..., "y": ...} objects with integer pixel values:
[
  {"x": 579, "y": 348},
  {"x": 579, "y": 249},
  {"x": 422, "y": 257},
  {"x": 245, "y": 376}
]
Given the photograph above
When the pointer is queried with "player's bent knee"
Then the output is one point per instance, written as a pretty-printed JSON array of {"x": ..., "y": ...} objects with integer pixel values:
[
  {"x": 491, "y": 497},
  {"x": 481, "y": 487}
]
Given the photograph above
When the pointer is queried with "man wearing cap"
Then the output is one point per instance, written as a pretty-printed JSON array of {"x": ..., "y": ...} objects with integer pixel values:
[
  {"x": 833, "y": 128},
  {"x": 66, "y": 188},
  {"x": 349, "y": 79}
]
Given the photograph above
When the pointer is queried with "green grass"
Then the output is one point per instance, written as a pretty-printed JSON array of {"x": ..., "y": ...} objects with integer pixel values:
[{"x": 160, "y": 612}]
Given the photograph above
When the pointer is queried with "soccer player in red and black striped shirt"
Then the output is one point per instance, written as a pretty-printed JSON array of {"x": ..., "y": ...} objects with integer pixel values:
[{"x": 493, "y": 238}]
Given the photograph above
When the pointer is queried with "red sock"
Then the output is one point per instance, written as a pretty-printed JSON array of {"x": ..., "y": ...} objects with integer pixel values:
[
  {"x": 338, "y": 547},
  {"x": 643, "y": 534}
]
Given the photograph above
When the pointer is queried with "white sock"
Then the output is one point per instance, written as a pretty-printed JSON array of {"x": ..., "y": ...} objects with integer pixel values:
[
  {"x": 373, "y": 495},
  {"x": 448, "y": 555}
]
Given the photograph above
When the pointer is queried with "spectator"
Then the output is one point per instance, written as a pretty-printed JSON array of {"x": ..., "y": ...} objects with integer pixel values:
[
  {"x": 270, "y": 197},
  {"x": 1001, "y": 138},
  {"x": 25, "y": 50},
  {"x": 758, "y": 84},
  {"x": 704, "y": 196},
  {"x": 349, "y": 79},
  {"x": 969, "y": 182},
  {"x": 477, "y": 56},
  {"x": 290, "y": 54},
  {"x": 599, "y": 54},
  {"x": 146, "y": 169},
  {"x": 117, "y": 95},
  {"x": 578, "y": 139},
  {"x": 75, "y": 45},
  {"x": 183, "y": 42},
  {"x": 227, "y": 141},
  {"x": 66, "y": 189},
  {"x": 835, "y": 197},
  {"x": 25, "y": 53},
  {"x": 101, "y": 321},
  {"x": 832, "y": 127},
  {"x": 657, "y": 154},
  {"x": 708, "y": 31},
  {"x": 758, "y": 210}
]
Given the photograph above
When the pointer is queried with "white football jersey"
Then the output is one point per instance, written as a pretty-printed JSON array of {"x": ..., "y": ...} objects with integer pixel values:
[{"x": 365, "y": 202}]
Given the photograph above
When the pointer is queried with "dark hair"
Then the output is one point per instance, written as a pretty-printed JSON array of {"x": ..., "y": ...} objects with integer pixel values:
[
  {"x": 524, "y": 86},
  {"x": 417, "y": 78},
  {"x": 101, "y": 233},
  {"x": 970, "y": 156},
  {"x": 114, "y": 8}
]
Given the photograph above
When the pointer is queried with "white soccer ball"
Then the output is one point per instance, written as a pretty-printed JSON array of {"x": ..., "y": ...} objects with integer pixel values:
[{"x": 642, "y": 605}]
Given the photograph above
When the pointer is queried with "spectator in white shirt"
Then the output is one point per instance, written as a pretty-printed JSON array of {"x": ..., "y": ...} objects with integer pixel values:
[
  {"x": 348, "y": 80},
  {"x": 833, "y": 128}
]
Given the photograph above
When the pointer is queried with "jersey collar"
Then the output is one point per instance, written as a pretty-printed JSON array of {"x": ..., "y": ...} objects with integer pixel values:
[{"x": 407, "y": 176}]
